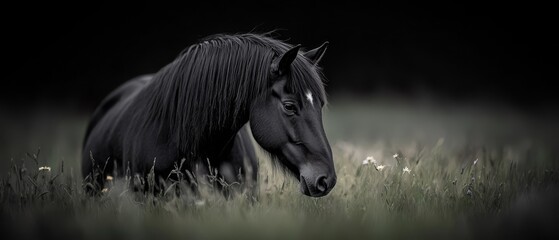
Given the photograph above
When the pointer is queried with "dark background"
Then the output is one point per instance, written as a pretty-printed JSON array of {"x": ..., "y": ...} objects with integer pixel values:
[{"x": 74, "y": 55}]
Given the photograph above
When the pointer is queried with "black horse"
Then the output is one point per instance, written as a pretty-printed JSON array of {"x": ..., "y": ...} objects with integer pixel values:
[{"x": 197, "y": 108}]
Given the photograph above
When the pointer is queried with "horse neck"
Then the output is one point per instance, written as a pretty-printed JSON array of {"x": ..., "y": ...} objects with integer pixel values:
[
  {"x": 196, "y": 124},
  {"x": 209, "y": 138}
]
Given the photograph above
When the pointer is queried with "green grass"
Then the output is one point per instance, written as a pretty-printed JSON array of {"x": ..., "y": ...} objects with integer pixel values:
[{"x": 445, "y": 195}]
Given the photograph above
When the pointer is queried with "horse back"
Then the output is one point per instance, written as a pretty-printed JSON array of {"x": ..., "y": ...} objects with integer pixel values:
[{"x": 113, "y": 98}]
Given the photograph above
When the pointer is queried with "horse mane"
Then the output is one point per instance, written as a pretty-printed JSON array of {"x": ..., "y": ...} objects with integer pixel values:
[{"x": 210, "y": 86}]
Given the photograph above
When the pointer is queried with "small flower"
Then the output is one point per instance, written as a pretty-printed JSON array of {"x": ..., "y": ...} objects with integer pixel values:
[
  {"x": 469, "y": 192},
  {"x": 475, "y": 162},
  {"x": 109, "y": 178},
  {"x": 380, "y": 167},
  {"x": 406, "y": 170},
  {"x": 369, "y": 160},
  {"x": 395, "y": 155},
  {"x": 199, "y": 203},
  {"x": 45, "y": 168},
  {"x": 105, "y": 190}
]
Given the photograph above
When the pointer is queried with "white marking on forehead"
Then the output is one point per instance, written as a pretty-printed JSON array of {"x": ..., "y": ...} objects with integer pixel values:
[{"x": 309, "y": 96}]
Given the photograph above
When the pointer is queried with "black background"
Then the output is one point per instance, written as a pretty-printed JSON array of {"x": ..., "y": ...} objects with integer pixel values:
[{"x": 74, "y": 55}]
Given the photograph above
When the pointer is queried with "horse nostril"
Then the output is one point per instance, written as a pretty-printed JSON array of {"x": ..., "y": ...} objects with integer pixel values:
[{"x": 321, "y": 184}]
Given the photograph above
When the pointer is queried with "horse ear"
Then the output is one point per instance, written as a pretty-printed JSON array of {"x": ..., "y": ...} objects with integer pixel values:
[
  {"x": 281, "y": 64},
  {"x": 316, "y": 54}
]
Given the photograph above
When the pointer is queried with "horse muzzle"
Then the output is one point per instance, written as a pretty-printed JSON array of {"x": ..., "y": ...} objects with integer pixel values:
[{"x": 316, "y": 184}]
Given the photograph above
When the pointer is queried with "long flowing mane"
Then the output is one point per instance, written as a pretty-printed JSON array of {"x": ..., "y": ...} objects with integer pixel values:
[{"x": 208, "y": 89}]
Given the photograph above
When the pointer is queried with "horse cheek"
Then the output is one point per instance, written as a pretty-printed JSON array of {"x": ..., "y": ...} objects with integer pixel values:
[{"x": 265, "y": 130}]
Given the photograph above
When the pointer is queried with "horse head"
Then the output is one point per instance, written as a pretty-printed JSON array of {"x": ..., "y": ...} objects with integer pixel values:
[{"x": 287, "y": 121}]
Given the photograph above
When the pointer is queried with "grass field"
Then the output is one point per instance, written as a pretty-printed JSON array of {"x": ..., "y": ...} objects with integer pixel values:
[{"x": 474, "y": 172}]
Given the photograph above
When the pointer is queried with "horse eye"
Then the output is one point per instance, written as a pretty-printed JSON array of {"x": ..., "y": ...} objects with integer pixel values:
[{"x": 289, "y": 107}]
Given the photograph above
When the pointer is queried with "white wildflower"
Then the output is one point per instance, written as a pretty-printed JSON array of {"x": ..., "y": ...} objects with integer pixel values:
[
  {"x": 105, "y": 190},
  {"x": 395, "y": 155},
  {"x": 200, "y": 203},
  {"x": 45, "y": 168},
  {"x": 109, "y": 178},
  {"x": 406, "y": 170},
  {"x": 380, "y": 167},
  {"x": 369, "y": 160}
]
